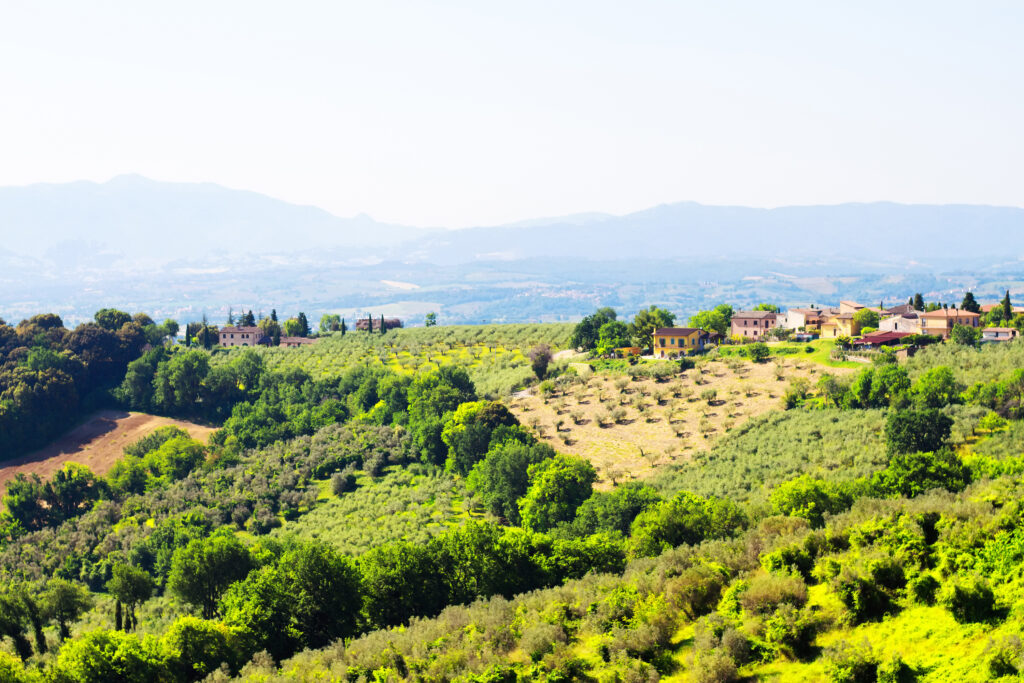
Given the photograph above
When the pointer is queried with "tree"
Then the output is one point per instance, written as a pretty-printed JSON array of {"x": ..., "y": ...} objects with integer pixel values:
[
  {"x": 248, "y": 319},
  {"x": 111, "y": 319},
  {"x": 686, "y": 518},
  {"x": 936, "y": 388},
  {"x": 646, "y": 321},
  {"x": 13, "y": 623},
  {"x": 196, "y": 647},
  {"x": 965, "y": 335},
  {"x": 293, "y": 327},
  {"x": 771, "y": 308},
  {"x": 468, "y": 432},
  {"x": 615, "y": 510},
  {"x": 325, "y": 587},
  {"x": 303, "y": 325},
  {"x": 809, "y": 498},
  {"x": 540, "y": 358},
  {"x": 758, "y": 352},
  {"x": 586, "y": 334},
  {"x": 918, "y": 302},
  {"x": 202, "y": 570},
  {"x": 64, "y": 602},
  {"x": 612, "y": 335},
  {"x": 970, "y": 304},
  {"x": 1007, "y": 307},
  {"x": 865, "y": 317},
  {"x": 178, "y": 384},
  {"x": 272, "y": 329},
  {"x": 71, "y": 491},
  {"x": 430, "y": 320},
  {"x": 329, "y": 322},
  {"x": 558, "y": 486},
  {"x": 913, "y": 473},
  {"x": 400, "y": 580},
  {"x": 502, "y": 478},
  {"x": 911, "y": 431},
  {"x": 711, "y": 321},
  {"x": 273, "y": 314},
  {"x": 383, "y": 329},
  {"x": 344, "y": 327},
  {"x": 103, "y": 656},
  {"x": 231, "y": 317},
  {"x": 130, "y": 586}
]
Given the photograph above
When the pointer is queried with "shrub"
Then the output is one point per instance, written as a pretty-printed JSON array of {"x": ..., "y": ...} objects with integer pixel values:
[
  {"x": 1005, "y": 657},
  {"x": 969, "y": 600},
  {"x": 847, "y": 664},
  {"x": 767, "y": 592},
  {"x": 758, "y": 352},
  {"x": 924, "y": 589}
]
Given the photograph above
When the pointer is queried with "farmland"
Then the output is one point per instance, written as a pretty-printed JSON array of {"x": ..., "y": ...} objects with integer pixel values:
[
  {"x": 495, "y": 356},
  {"x": 628, "y": 427}
]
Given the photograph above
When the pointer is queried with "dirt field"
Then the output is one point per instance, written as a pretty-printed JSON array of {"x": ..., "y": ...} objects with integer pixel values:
[
  {"x": 627, "y": 428},
  {"x": 97, "y": 443}
]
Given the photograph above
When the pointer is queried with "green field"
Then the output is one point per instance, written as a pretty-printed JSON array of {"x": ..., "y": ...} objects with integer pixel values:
[{"x": 496, "y": 356}]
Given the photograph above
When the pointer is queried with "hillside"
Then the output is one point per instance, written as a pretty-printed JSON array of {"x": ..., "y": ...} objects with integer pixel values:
[{"x": 97, "y": 443}]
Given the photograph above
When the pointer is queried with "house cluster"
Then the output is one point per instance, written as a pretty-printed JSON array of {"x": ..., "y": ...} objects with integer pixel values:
[
  {"x": 809, "y": 323},
  {"x": 894, "y": 323}
]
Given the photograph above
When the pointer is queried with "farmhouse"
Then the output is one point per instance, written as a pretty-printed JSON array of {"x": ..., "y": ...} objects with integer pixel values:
[
  {"x": 841, "y": 325},
  {"x": 999, "y": 334},
  {"x": 678, "y": 341},
  {"x": 243, "y": 336},
  {"x": 795, "y": 318},
  {"x": 372, "y": 324},
  {"x": 941, "y": 322},
  {"x": 879, "y": 339},
  {"x": 752, "y": 324},
  {"x": 295, "y": 342},
  {"x": 901, "y": 322}
]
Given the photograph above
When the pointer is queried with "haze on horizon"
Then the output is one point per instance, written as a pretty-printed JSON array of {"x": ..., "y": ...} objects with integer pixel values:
[{"x": 457, "y": 113}]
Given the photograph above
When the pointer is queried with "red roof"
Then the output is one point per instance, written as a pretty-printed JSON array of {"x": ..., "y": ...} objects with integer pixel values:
[{"x": 882, "y": 337}]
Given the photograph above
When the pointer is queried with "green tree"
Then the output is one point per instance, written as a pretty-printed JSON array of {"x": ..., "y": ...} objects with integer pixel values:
[
  {"x": 178, "y": 383},
  {"x": 203, "y": 569},
  {"x": 260, "y": 608},
  {"x": 965, "y": 335},
  {"x": 64, "y": 602},
  {"x": 910, "y": 431},
  {"x": 247, "y": 319},
  {"x": 936, "y": 388},
  {"x": 502, "y": 478},
  {"x": 918, "y": 302},
  {"x": 329, "y": 322},
  {"x": 430, "y": 320},
  {"x": 758, "y": 352},
  {"x": 558, "y": 486},
  {"x": 771, "y": 308},
  {"x": 468, "y": 433},
  {"x": 646, "y": 321},
  {"x": 104, "y": 656},
  {"x": 911, "y": 474},
  {"x": 613, "y": 335},
  {"x": 970, "y": 304},
  {"x": 865, "y": 317},
  {"x": 111, "y": 319},
  {"x": 586, "y": 334},
  {"x": 1007, "y": 307},
  {"x": 686, "y": 518},
  {"x": 293, "y": 327},
  {"x": 196, "y": 647},
  {"x": 540, "y": 358},
  {"x": 710, "y": 321},
  {"x": 400, "y": 581},
  {"x": 71, "y": 491},
  {"x": 303, "y": 325},
  {"x": 325, "y": 587},
  {"x": 615, "y": 510},
  {"x": 131, "y": 586},
  {"x": 272, "y": 328},
  {"x": 809, "y": 498}
]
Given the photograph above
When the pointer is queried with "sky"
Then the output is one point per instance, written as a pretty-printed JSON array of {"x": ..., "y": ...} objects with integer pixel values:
[{"x": 477, "y": 113}]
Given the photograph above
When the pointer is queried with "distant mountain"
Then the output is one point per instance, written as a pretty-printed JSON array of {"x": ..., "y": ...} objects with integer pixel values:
[
  {"x": 881, "y": 231},
  {"x": 137, "y": 217}
]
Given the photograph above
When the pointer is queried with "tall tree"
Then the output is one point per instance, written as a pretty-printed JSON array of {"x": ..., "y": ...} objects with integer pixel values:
[
  {"x": 202, "y": 570},
  {"x": 247, "y": 319},
  {"x": 647, "y": 321},
  {"x": 1007, "y": 307},
  {"x": 303, "y": 324},
  {"x": 231, "y": 317},
  {"x": 64, "y": 602},
  {"x": 918, "y": 302},
  {"x": 430, "y": 320},
  {"x": 382, "y": 328},
  {"x": 329, "y": 322},
  {"x": 343, "y": 328},
  {"x": 969, "y": 303},
  {"x": 273, "y": 314},
  {"x": 130, "y": 586}
]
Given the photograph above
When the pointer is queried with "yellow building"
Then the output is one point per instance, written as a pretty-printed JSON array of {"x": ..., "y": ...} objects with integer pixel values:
[
  {"x": 670, "y": 342},
  {"x": 941, "y": 322},
  {"x": 842, "y": 325}
]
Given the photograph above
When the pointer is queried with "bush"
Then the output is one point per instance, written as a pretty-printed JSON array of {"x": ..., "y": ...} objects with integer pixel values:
[
  {"x": 767, "y": 592},
  {"x": 1005, "y": 657},
  {"x": 847, "y": 664},
  {"x": 969, "y": 600},
  {"x": 924, "y": 589}
]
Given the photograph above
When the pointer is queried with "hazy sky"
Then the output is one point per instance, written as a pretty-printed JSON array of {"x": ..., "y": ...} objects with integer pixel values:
[{"x": 461, "y": 113}]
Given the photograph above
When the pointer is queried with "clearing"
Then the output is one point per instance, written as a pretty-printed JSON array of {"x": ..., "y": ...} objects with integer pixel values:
[
  {"x": 628, "y": 428},
  {"x": 96, "y": 443}
]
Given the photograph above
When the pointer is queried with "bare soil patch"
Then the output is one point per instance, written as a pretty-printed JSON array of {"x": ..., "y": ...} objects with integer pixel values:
[
  {"x": 628, "y": 428},
  {"x": 96, "y": 443}
]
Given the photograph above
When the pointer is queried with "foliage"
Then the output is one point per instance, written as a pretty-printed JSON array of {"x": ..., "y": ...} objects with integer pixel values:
[
  {"x": 558, "y": 486},
  {"x": 908, "y": 431}
]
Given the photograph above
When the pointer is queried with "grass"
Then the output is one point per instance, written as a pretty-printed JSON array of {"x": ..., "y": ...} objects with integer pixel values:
[{"x": 821, "y": 353}]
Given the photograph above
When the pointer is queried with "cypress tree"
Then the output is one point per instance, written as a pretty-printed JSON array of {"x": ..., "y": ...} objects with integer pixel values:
[
  {"x": 970, "y": 304},
  {"x": 343, "y": 328},
  {"x": 231, "y": 317},
  {"x": 273, "y": 314},
  {"x": 382, "y": 323},
  {"x": 1007, "y": 307},
  {"x": 303, "y": 325},
  {"x": 918, "y": 302}
]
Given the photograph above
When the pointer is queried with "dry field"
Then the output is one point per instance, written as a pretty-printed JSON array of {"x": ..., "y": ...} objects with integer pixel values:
[
  {"x": 627, "y": 428},
  {"x": 96, "y": 443}
]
